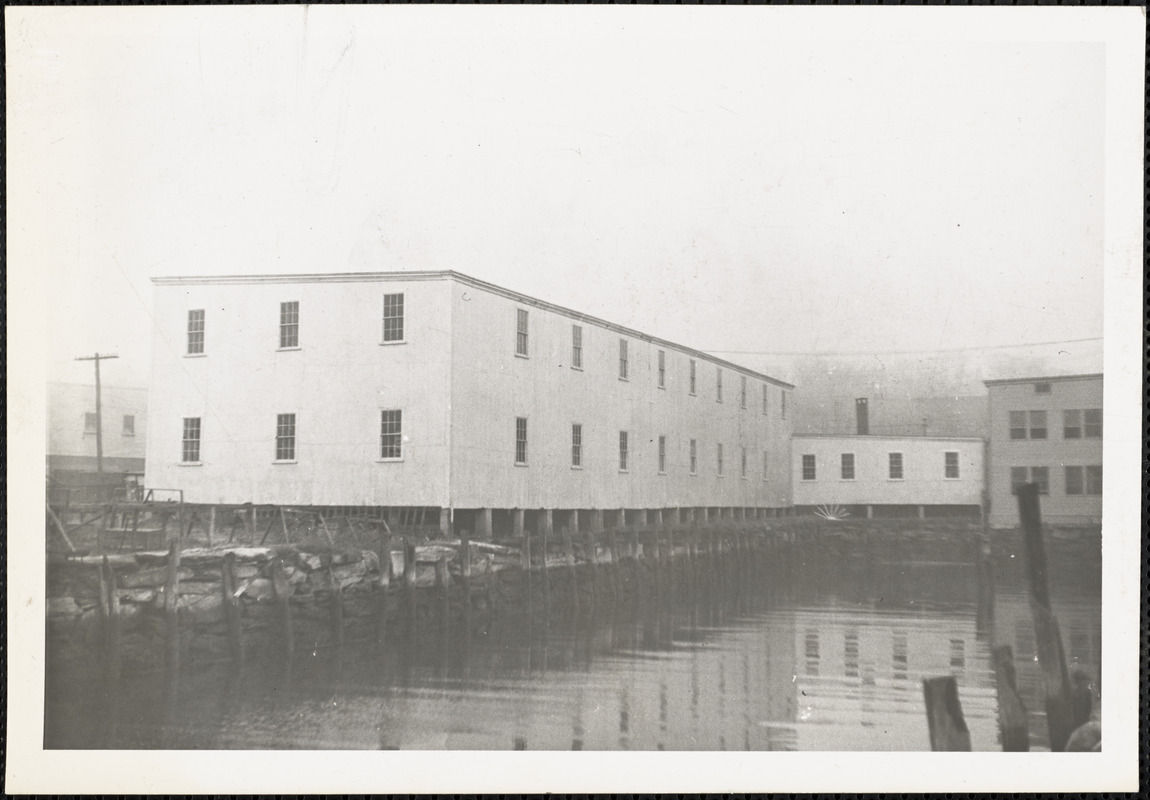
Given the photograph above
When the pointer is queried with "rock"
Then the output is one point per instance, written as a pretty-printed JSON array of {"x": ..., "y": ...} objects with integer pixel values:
[
  {"x": 245, "y": 571},
  {"x": 311, "y": 561},
  {"x": 354, "y": 571},
  {"x": 258, "y": 589},
  {"x": 200, "y": 587},
  {"x": 151, "y": 577},
  {"x": 138, "y": 596},
  {"x": 62, "y": 607},
  {"x": 1085, "y": 739}
]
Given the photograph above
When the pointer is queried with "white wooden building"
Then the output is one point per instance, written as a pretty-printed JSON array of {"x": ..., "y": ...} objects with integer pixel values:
[{"x": 440, "y": 391}]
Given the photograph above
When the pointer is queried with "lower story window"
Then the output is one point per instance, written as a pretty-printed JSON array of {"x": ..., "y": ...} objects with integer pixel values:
[
  {"x": 285, "y": 437},
  {"x": 191, "y": 440},
  {"x": 623, "y": 450},
  {"x": 521, "y": 440},
  {"x": 391, "y": 433},
  {"x": 808, "y": 467}
]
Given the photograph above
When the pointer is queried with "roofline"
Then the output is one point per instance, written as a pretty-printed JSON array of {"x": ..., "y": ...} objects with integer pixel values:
[
  {"x": 887, "y": 437},
  {"x": 1045, "y": 378},
  {"x": 430, "y": 275}
]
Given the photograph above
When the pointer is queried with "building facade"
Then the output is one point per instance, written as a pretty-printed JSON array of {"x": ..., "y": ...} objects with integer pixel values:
[
  {"x": 72, "y": 420},
  {"x": 888, "y": 475},
  {"x": 436, "y": 390},
  {"x": 1046, "y": 430}
]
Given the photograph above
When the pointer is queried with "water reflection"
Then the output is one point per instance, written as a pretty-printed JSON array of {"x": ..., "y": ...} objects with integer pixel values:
[{"x": 802, "y": 656}]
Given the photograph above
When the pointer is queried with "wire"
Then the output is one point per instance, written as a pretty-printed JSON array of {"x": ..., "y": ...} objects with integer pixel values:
[{"x": 900, "y": 352}]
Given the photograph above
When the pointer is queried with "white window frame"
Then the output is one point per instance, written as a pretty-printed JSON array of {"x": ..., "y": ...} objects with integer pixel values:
[
  {"x": 577, "y": 347},
  {"x": 814, "y": 467},
  {"x": 624, "y": 360},
  {"x": 694, "y": 457},
  {"x": 890, "y": 466},
  {"x": 522, "y": 333},
  {"x": 284, "y": 440},
  {"x": 842, "y": 467},
  {"x": 389, "y": 333},
  {"x": 661, "y": 357},
  {"x": 521, "y": 439},
  {"x": 576, "y": 445},
  {"x": 196, "y": 341},
  {"x": 624, "y": 451},
  {"x": 946, "y": 465},
  {"x": 185, "y": 440},
  {"x": 662, "y": 455},
  {"x": 289, "y": 325},
  {"x": 386, "y": 434}
]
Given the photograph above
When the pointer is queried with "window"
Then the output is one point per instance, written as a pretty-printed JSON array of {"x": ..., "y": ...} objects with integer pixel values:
[
  {"x": 662, "y": 454},
  {"x": 1021, "y": 475},
  {"x": 576, "y": 445},
  {"x": 662, "y": 370},
  {"x": 719, "y": 453},
  {"x": 1042, "y": 388},
  {"x": 950, "y": 464},
  {"x": 393, "y": 317},
  {"x": 1027, "y": 424},
  {"x": 743, "y": 463},
  {"x": 623, "y": 372},
  {"x": 694, "y": 457},
  {"x": 848, "y": 466},
  {"x": 1093, "y": 420},
  {"x": 391, "y": 433},
  {"x": 691, "y": 383},
  {"x": 783, "y": 404},
  {"x": 742, "y": 391},
  {"x": 285, "y": 437},
  {"x": 521, "y": 440},
  {"x": 521, "y": 332},
  {"x": 623, "y": 451},
  {"x": 1037, "y": 424},
  {"x": 577, "y": 347},
  {"x": 808, "y": 467},
  {"x": 129, "y": 428},
  {"x": 196, "y": 332},
  {"x": 894, "y": 461},
  {"x": 191, "y": 440},
  {"x": 765, "y": 396},
  {"x": 1094, "y": 479},
  {"x": 1072, "y": 426},
  {"x": 90, "y": 422},
  {"x": 719, "y": 384},
  {"x": 1074, "y": 483},
  {"x": 289, "y": 324},
  {"x": 766, "y": 464}
]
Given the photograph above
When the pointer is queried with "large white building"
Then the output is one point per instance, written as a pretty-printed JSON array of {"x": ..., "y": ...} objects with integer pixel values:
[
  {"x": 440, "y": 391},
  {"x": 889, "y": 475},
  {"x": 1046, "y": 430}
]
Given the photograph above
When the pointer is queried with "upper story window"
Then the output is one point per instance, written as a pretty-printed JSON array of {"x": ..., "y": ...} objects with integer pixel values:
[
  {"x": 577, "y": 347},
  {"x": 808, "y": 467},
  {"x": 624, "y": 451},
  {"x": 662, "y": 454},
  {"x": 91, "y": 421},
  {"x": 742, "y": 391},
  {"x": 847, "y": 466},
  {"x": 196, "y": 332},
  {"x": 190, "y": 452},
  {"x": 521, "y": 332},
  {"x": 393, "y": 317},
  {"x": 391, "y": 433},
  {"x": 719, "y": 384},
  {"x": 129, "y": 428},
  {"x": 1073, "y": 427},
  {"x": 1093, "y": 423},
  {"x": 1027, "y": 424},
  {"x": 576, "y": 445},
  {"x": 950, "y": 464},
  {"x": 691, "y": 380},
  {"x": 694, "y": 457},
  {"x": 521, "y": 440},
  {"x": 1042, "y": 388},
  {"x": 623, "y": 363},
  {"x": 662, "y": 365},
  {"x": 289, "y": 324},
  {"x": 894, "y": 461},
  {"x": 285, "y": 437}
]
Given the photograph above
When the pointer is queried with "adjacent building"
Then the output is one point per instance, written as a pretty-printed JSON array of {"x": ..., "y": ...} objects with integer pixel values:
[
  {"x": 439, "y": 391},
  {"x": 888, "y": 476},
  {"x": 72, "y": 422},
  {"x": 1046, "y": 430}
]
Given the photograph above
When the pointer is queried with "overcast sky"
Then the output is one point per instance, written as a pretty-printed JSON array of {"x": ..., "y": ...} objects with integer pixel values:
[{"x": 710, "y": 184}]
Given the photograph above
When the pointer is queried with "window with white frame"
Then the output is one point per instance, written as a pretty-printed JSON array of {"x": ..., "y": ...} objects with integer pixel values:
[
  {"x": 694, "y": 457},
  {"x": 742, "y": 462},
  {"x": 662, "y": 455},
  {"x": 577, "y": 347},
  {"x": 190, "y": 451},
  {"x": 894, "y": 463},
  {"x": 391, "y": 433},
  {"x": 808, "y": 472},
  {"x": 719, "y": 384},
  {"x": 766, "y": 465},
  {"x": 1027, "y": 424},
  {"x": 624, "y": 366},
  {"x": 289, "y": 324},
  {"x": 766, "y": 395},
  {"x": 1082, "y": 423},
  {"x": 393, "y": 317},
  {"x": 950, "y": 464},
  {"x": 783, "y": 403},
  {"x": 847, "y": 466},
  {"x": 624, "y": 451},
  {"x": 196, "y": 332},
  {"x": 521, "y": 332},
  {"x": 719, "y": 458},
  {"x": 521, "y": 440},
  {"x": 285, "y": 437},
  {"x": 576, "y": 444}
]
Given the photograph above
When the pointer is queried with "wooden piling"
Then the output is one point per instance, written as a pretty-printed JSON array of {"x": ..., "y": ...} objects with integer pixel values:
[
  {"x": 948, "y": 731},
  {"x": 112, "y": 620},
  {"x": 336, "y": 606},
  {"x": 592, "y": 564},
  {"x": 409, "y": 584},
  {"x": 616, "y": 574},
  {"x": 1051, "y": 658},
  {"x": 569, "y": 557},
  {"x": 231, "y": 606},
  {"x": 171, "y": 620},
  {"x": 283, "y": 522},
  {"x": 1013, "y": 727},
  {"x": 383, "y": 549},
  {"x": 984, "y": 572},
  {"x": 283, "y": 596},
  {"x": 465, "y": 577},
  {"x": 546, "y": 574},
  {"x": 441, "y": 579}
]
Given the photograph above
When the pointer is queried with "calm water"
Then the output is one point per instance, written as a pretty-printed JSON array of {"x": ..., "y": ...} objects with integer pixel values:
[{"x": 824, "y": 653}]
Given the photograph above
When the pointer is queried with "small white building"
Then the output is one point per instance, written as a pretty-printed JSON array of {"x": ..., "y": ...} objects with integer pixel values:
[
  {"x": 71, "y": 445},
  {"x": 439, "y": 391},
  {"x": 888, "y": 475}
]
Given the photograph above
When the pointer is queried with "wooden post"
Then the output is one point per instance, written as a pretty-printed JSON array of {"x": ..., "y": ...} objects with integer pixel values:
[
  {"x": 592, "y": 563},
  {"x": 283, "y": 594},
  {"x": 517, "y": 523},
  {"x": 409, "y": 584},
  {"x": 384, "y": 555},
  {"x": 465, "y": 578},
  {"x": 211, "y": 526},
  {"x": 231, "y": 605},
  {"x": 171, "y": 590},
  {"x": 60, "y": 527},
  {"x": 283, "y": 522},
  {"x": 569, "y": 556},
  {"x": 944, "y": 718},
  {"x": 441, "y": 579},
  {"x": 1012, "y": 721},
  {"x": 984, "y": 614},
  {"x": 336, "y": 606},
  {"x": 616, "y": 571},
  {"x": 546, "y": 574},
  {"x": 1051, "y": 658}
]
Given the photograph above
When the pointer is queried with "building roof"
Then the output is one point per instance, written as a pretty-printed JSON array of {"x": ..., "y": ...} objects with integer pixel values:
[
  {"x": 1046, "y": 379},
  {"x": 429, "y": 275},
  {"x": 886, "y": 437}
]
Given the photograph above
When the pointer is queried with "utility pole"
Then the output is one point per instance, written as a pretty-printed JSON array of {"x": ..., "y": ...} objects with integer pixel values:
[{"x": 99, "y": 416}]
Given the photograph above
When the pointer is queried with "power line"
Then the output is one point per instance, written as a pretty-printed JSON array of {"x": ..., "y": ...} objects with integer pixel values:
[{"x": 900, "y": 352}]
